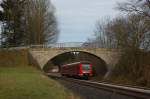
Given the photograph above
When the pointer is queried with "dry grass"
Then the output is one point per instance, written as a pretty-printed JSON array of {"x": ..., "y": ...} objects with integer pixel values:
[
  {"x": 9, "y": 58},
  {"x": 134, "y": 74}
]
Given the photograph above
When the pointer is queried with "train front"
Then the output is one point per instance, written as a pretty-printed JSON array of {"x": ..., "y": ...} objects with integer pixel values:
[{"x": 86, "y": 69}]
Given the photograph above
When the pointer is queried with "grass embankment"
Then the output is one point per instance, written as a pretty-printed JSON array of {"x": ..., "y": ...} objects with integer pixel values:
[
  {"x": 18, "y": 80},
  {"x": 13, "y": 58},
  {"x": 133, "y": 70}
]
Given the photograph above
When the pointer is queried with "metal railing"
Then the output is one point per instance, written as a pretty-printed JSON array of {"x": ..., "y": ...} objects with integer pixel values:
[
  {"x": 71, "y": 45},
  {"x": 62, "y": 45},
  {"x": 59, "y": 45}
]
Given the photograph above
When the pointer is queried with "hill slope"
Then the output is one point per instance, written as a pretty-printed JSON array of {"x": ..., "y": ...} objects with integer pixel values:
[{"x": 18, "y": 80}]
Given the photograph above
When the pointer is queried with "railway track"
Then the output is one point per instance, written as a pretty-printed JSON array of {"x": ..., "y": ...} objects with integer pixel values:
[
  {"x": 125, "y": 85},
  {"x": 135, "y": 92}
]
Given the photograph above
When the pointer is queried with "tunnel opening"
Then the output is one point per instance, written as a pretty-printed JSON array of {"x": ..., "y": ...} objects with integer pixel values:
[{"x": 99, "y": 65}]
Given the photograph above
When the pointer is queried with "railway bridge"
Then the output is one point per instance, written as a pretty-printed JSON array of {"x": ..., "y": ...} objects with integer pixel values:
[{"x": 41, "y": 54}]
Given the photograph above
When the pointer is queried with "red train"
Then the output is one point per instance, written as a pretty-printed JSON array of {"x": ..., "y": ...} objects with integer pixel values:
[{"x": 77, "y": 69}]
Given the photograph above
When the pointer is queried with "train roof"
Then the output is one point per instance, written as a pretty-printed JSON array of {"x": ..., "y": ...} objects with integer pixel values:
[{"x": 79, "y": 62}]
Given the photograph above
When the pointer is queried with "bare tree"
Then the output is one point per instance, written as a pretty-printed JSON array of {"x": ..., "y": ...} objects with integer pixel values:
[
  {"x": 41, "y": 23},
  {"x": 131, "y": 33},
  {"x": 102, "y": 36},
  {"x": 141, "y": 7}
]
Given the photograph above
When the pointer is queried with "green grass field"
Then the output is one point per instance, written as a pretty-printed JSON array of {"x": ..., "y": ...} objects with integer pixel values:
[
  {"x": 29, "y": 83},
  {"x": 21, "y": 81}
]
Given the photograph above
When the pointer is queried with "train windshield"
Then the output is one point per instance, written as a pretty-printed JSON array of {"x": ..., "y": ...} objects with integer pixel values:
[{"x": 85, "y": 66}]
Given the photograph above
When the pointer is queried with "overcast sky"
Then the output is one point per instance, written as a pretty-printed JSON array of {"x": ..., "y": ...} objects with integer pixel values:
[{"x": 77, "y": 18}]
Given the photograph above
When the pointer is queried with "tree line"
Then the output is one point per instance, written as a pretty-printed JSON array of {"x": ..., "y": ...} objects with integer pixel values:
[
  {"x": 27, "y": 22},
  {"x": 130, "y": 32}
]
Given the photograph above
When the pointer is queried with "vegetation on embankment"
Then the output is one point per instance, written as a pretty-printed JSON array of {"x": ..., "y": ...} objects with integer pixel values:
[
  {"x": 133, "y": 68},
  {"x": 131, "y": 33},
  {"x": 11, "y": 58},
  {"x": 18, "y": 80}
]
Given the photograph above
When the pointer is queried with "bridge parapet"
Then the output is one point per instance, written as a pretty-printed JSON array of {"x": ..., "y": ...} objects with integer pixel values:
[
  {"x": 64, "y": 45},
  {"x": 72, "y": 45}
]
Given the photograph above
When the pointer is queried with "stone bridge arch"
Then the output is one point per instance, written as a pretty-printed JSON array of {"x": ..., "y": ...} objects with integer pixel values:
[
  {"x": 80, "y": 51},
  {"x": 99, "y": 65},
  {"x": 43, "y": 55}
]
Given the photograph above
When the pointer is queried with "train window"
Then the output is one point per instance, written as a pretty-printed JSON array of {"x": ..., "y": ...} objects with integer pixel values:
[{"x": 85, "y": 66}]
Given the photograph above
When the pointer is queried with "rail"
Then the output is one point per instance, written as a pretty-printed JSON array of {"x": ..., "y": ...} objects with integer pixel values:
[
  {"x": 127, "y": 91},
  {"x": 135, "y": 92}
]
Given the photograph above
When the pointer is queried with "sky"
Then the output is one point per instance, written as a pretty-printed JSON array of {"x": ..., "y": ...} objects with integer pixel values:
[{"x": 77, "y": 18}]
